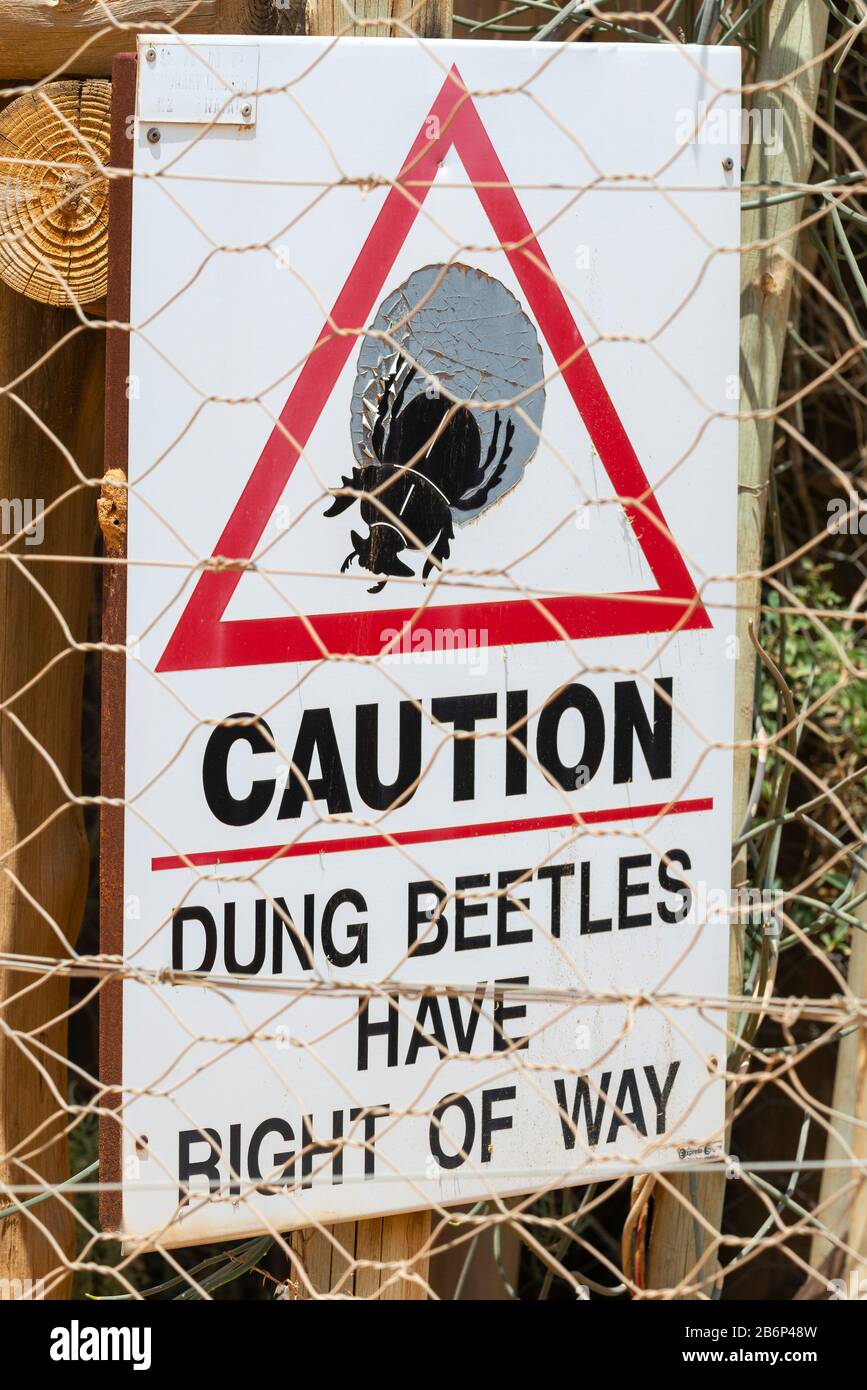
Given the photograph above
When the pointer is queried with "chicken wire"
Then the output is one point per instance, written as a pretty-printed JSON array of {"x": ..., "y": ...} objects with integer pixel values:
[{"x": 780, "y": 1213}]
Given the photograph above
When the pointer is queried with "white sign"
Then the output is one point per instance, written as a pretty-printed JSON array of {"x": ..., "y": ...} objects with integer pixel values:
[{"x": 452, "y": 378}]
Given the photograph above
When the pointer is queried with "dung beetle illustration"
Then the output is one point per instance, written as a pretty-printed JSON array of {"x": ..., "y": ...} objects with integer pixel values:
[
  {"x": 427, "y": 460},
  {"x": 445, "y": 416}
]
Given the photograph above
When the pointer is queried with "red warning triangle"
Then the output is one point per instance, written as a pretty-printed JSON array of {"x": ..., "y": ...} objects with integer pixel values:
[{"x": 203, "y": 640}]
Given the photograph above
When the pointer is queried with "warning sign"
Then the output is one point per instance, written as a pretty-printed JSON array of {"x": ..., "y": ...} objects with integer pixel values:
[
  {"x": 432, "y": 466},
  {"x": 451, "y": 127}
]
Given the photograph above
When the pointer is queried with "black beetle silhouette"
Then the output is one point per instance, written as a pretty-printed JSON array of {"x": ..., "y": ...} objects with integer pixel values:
[{"x": 426, "y": 464}]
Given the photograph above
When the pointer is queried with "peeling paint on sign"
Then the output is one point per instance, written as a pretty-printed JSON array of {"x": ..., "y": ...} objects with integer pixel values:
[{"x": 469, "y": 334}]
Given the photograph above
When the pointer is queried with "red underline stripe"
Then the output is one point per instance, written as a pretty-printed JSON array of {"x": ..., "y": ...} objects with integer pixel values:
[{"x": 344, "y": 844}]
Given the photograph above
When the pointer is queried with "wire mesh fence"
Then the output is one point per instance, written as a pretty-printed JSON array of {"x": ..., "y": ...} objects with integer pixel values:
[{"x": 767, "y": 1202}]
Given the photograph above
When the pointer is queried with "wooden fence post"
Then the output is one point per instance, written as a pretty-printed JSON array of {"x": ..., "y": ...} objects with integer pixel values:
[
  {"x": 855, "y": 1222},
  {"x": 795, "y": 40},
  {"x": 842, "y": 1206},
  {"x": 51, "y": 373},
  {"x": 44, "y": 38}
]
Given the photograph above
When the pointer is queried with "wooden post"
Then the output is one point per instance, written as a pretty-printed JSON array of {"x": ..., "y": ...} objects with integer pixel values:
[
  {"x": 842, "y": 1209},
  {"x": 855, "y": 1221},
  {"x": 51, "y": 401},
  {"x": 431, "y": 19},
  {"x": 390, "y": 1240},
  {"x": 43, "y": 38},
  {"x": 55, "y": 214},
  {"x": 795, "y": 39}
]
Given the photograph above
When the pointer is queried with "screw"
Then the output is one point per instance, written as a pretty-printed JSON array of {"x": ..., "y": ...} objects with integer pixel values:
[
  {"x": 247, "y": 110},
  {"x": 153, "y": 136},
  {"x": 151, "y": 55},
  {"x": 728, "y": 164}
]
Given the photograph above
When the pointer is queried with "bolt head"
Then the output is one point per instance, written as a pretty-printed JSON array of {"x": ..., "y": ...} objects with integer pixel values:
[
  {"x": 153, "y": 136},
  {"x": 728, "y": 164},
  {"x": 247, "y": 110},
  {"x": 151, "y": 55}
]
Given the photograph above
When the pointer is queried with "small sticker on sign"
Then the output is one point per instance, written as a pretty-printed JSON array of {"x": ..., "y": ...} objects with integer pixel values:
[
  {"x": 694, "y": 1153},
  {"x": 198, "y": 84}
]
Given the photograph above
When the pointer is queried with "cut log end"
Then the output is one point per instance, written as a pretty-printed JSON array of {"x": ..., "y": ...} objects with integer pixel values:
[{"x": 54, "y": 146}]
